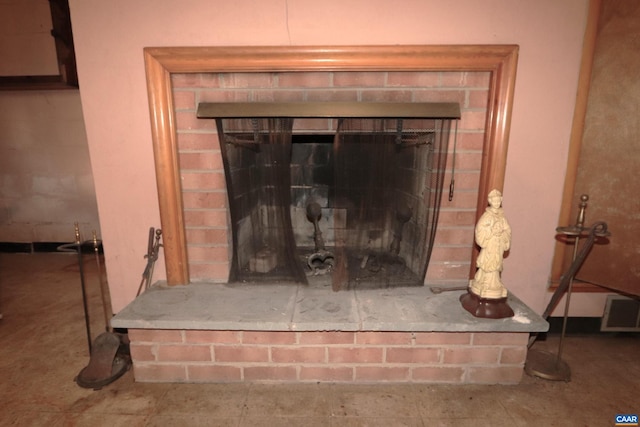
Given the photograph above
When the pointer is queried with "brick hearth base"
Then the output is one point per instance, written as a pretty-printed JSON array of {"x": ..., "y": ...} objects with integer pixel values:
[
  {"x": 221, "y": 333},
  {"x": 234, "y": 356}
]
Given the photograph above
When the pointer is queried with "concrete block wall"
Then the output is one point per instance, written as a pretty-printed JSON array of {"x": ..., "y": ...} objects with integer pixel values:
[{"x": 46, "y": 179}]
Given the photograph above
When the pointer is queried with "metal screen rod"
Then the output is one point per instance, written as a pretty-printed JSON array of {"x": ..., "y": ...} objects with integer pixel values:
[{"x": 453, "y": 163}]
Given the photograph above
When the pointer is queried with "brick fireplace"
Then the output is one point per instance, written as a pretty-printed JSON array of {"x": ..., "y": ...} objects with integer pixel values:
[
  {"x": 196, "y": 232},
  {"x": 202, "y": 175}
]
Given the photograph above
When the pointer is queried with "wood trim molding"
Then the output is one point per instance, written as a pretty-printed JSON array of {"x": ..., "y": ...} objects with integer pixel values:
[{"x": 161, "y": 62}]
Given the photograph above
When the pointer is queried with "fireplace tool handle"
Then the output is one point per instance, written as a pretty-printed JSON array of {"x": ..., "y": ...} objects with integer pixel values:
[
  {"x": 599, "y": 229},
  {"x": 153, "y": 249},
  {"x": 76, "y": 246},
  {"x": 104, "y": 289},
  {"x": 403, "y": 215},
  {"x": 314, "y": 213},
  {"x": 321, "y": 259}
]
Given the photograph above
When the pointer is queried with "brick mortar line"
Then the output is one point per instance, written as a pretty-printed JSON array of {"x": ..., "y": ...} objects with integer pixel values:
[
  {"x": 337, "y": 345},
  {"x": 326, "y": 345},
  {"x": 216, "y": 150},
  {"x": 295, "y": 346},
  {"x": 197, "y": 280},
  {"x": 154, "y": 350},
  {"x": 296, "y": 343},
  {"x": 205, "y": 210},
  {"x": 440, "y": 361},
  {"x": 325, "y": 365},
  {"x": 205, "y": 227},
  {"x": 386, "y": 86},
  {"x": 199, "y": 90}
]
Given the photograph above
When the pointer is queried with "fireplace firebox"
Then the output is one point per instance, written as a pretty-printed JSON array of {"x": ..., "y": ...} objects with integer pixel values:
[{"x": 359, "y": 202}]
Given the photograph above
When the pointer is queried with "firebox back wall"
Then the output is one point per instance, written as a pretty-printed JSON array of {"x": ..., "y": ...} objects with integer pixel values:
[{"x": 202, "y": 175}]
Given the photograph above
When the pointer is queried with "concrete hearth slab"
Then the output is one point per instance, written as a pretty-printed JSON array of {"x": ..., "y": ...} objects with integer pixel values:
[
  {"x": 278, "y": 307},
  {"x": 319, "y": 308}
]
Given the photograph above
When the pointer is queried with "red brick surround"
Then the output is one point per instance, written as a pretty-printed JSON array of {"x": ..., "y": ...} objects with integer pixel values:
[
  {"x": 202, "y": 175},
  {"x": 248, "y": 356}
]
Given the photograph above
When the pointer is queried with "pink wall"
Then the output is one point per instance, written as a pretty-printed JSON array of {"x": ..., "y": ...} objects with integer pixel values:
[{"x": 109, "y": 38}]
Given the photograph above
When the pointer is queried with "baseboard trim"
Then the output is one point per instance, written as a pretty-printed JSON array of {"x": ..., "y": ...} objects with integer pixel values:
[
  {"x": 575, "y": 325},
  {"x": 41, "y": 247},
  {"x": 15, "y": 247}
]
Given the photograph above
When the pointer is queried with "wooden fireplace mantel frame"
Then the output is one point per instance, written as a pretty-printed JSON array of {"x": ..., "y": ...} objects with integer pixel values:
[{"x": 161, "y": 62}]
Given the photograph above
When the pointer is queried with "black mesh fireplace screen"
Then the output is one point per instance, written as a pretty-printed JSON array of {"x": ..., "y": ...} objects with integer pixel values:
[
  {"x": 257, "y": 158},
  {"x": 359, "y": 203}
]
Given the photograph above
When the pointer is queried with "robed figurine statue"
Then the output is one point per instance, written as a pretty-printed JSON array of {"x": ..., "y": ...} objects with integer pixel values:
[{"x": 487, "y": 295}]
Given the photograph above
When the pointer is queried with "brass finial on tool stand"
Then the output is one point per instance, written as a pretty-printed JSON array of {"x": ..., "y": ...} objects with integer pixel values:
[{"x": 544, "y": 364}]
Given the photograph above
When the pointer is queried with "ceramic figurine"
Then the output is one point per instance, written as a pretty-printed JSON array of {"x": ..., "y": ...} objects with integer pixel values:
[
  {"x": 487, "y": 295},
  {"x": 493, "y": 235}
]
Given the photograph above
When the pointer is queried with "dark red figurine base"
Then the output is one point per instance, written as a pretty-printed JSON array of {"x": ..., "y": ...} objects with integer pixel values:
[{"x": 488, "y": 308}]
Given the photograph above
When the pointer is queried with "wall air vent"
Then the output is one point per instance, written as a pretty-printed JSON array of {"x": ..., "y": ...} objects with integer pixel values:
[{"x": 621, "y": 314}]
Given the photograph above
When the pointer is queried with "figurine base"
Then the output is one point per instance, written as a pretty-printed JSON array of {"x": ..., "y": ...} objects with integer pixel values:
[{"x": 487, "y": 308}]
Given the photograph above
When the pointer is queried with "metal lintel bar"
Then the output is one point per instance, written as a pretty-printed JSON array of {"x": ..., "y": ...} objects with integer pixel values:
[{"x": 382, "y": 110}]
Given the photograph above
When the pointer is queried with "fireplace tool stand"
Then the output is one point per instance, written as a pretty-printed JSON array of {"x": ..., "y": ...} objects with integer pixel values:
[
  {"x": 109, "y": 352},
  {"x": 541, "y": 363}
]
